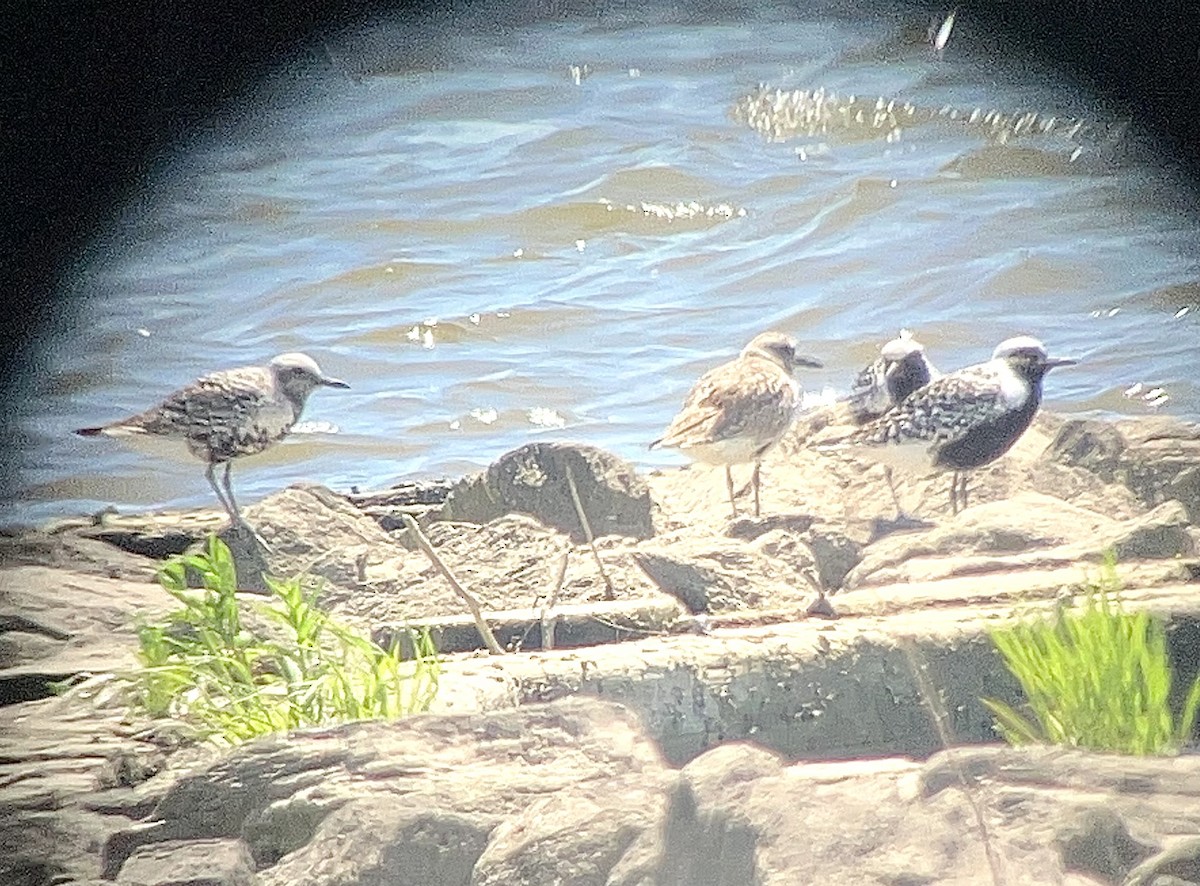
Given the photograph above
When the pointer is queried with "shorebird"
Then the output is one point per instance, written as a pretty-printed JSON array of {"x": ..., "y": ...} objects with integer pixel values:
[
  {"x": 901, "y": 368},
  {"x": 740, "y": 409},
  {"x": 228, "y": 414},
  {"x": 963, "y": 420},
  {"x": 883, "y": 384}
]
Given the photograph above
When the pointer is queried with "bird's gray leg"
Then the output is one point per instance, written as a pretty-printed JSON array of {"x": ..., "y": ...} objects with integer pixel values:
[
  {"x": 756, "y": 480},
  {"x": 902, "y": 516},
  {"x": 212, "y": 481},
  {"x": 958, "y": 491},
  {"x": 235, "y": 513},
  {"x": 729, "y": 489}
]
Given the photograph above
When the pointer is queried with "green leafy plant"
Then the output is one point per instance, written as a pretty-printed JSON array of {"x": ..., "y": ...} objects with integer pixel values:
[
  {"x": 1094, "y": 677},
  {"x": 203, "y": 666}
]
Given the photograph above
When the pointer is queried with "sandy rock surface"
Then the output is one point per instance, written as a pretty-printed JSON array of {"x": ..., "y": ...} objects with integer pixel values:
[{"x": 704, "y": 636}]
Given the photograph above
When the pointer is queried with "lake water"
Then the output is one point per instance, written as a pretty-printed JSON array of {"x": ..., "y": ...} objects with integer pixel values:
[{"x": 550, "y": 228}]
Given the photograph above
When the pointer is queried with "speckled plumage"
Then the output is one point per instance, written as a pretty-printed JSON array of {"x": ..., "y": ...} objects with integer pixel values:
[
  {"x": 736, "y": 412},
  {"x": 901, "y": 368},
  {"x": 966, "y": 419},
  {"x": 229, "y": 414}
]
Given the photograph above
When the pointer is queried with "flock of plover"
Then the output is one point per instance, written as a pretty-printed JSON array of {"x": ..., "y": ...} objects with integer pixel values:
[{"x": 907, "y": 413}]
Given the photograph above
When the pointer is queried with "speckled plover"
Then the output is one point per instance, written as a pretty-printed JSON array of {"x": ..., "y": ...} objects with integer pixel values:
[
  {"x": 963, "y": 420},
  {"x": 740, "y": 409},
  {"x": 228, "y": 414},
  {"x": 900, "y": 369}
]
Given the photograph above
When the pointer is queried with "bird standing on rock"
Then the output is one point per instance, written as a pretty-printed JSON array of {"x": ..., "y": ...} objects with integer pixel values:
[
  {"x": 900, "y": 369},
  {"x": 963, "y": 420},
  {"x": 736, "y": 412},
  {"x": 229, "y": 414}
]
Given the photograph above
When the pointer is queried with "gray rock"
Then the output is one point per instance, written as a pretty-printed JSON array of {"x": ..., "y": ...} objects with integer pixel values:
[
  {"x": 1093, "y": 445},
  {"x": 1178, "y": 863},
  {"x": 575, "y": 837},
  {"x": 189, "y": 863},
  {"x": 836, "y": 555},
  {"x": 277, "y": 791},
  {"x": 313, "y": 530},
  {"x": 533, "y": 480},
  {"x": 1158, "y": 535},
  {"x": 378, "y": 841},
  {"x": 1097, "y": 841}
]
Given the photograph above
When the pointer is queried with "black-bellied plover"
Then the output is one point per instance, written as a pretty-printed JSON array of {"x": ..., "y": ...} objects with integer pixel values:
[
  {"x": 229, "y": 414},
  {"x": 740, "y": 409},
  {"x": 963, "y": 420},
  {"x": 900, "y": 369},
  {"x": 883, "y": 384}
]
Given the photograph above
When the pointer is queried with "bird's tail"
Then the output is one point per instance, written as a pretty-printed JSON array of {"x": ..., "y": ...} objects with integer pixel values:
[
  {"x": 90, "y": 432},
  {"x": 657, "y": 443}
]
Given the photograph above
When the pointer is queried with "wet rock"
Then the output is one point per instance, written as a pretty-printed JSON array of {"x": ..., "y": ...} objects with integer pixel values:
[
  {"x": 533, "y": 480},
  {"x": 189, "y": 863},
  {"x": 1097, "y": 842},
  {"x": 1178, "y": 865}
]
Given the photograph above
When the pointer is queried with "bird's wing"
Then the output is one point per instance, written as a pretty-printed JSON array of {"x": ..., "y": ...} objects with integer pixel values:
[
  {"x": 738, "y": 398},
  {"x": 220, "y": 398},
  {"x": 941, "y": 412},
  {"x": 868, "y": 394}
]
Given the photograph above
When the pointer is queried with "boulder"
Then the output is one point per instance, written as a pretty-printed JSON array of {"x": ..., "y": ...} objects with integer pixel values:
[
  {"x": 533, "y": 480},
  {"x": 309, "y": 529}
]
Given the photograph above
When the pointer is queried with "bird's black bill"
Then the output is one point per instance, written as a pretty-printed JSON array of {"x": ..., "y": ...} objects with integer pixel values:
[
  {"x": 809, "y": 362},
  {"x": 334, "y": 383},
  {"x": 1051, "y": 362}
]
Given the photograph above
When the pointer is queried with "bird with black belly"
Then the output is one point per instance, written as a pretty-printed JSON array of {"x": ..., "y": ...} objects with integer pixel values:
[{"x": 964, "y": 420}]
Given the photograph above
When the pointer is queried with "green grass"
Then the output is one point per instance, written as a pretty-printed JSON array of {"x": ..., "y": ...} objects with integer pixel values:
[
  {"x": 1094, "y": 677},
  {"x": 201, "y": 665}
]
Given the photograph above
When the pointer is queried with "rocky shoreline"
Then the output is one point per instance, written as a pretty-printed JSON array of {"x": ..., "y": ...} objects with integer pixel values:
[{"x": 609, "y": 759}]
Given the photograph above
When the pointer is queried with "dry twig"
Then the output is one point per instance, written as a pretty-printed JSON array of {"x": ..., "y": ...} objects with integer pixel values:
[
  {"x": 472, "y": 602},
  {"x": 609, "y": 593}
]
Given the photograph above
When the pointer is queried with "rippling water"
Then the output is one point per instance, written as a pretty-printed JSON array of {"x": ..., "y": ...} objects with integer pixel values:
[{"x": 550, "y": 229}]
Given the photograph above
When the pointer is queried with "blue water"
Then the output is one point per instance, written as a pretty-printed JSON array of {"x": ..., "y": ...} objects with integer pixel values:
[{"x": 492, "y": 247}]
